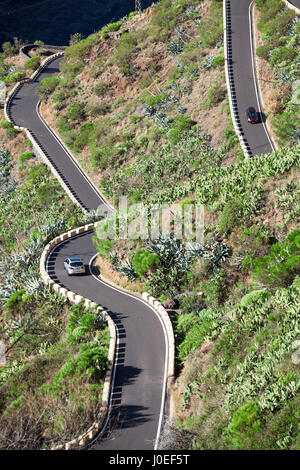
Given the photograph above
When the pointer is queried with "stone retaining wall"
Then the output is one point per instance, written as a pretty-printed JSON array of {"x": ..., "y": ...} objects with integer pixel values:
[{"x": 24, "y": 51}]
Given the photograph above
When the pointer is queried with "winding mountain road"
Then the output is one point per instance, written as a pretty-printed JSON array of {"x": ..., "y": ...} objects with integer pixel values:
[
  {"x": 140, "y": 376},
  {"x": 138, "y": 398}
]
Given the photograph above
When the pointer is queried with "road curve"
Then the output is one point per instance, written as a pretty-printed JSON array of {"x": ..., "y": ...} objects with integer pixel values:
[
  {"x": 24, "y": 113},
  {"x": 140, "y": 374},
  {"x": 138, "y": 392}
]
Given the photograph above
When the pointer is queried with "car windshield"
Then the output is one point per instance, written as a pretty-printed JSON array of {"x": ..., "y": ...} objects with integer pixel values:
[{"x": 76, "y": 264}]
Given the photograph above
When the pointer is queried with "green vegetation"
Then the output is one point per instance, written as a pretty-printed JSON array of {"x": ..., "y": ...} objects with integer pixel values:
[
  {"x": 33, "y": 63},
  {"x": 55, "y": 396},
  {"x": 25, "y": 156},
  {"x": 211, "y": 28},
  {"x": 47, "y": 87},
  {"x": 50, "y": 388}
]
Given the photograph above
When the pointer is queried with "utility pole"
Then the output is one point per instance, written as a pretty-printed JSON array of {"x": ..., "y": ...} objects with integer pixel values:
[{"x": 138, "y": 5}]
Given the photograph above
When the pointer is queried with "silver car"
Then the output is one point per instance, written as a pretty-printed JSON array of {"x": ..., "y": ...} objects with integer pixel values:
[{"x": 74, "y": 266}]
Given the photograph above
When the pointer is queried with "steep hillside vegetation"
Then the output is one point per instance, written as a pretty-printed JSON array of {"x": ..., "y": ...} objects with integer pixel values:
[{"x": 278, "y": 31}]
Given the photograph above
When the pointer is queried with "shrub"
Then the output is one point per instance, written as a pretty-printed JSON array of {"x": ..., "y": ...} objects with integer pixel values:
[
  {"x": 33, "y": 63},
  {"x": 281, "y": 54},
  {"x": 218, "y": 62},
  {"x": 11, "y": 132},
  {"x": 15, "y": 298},
  {"x": 143, "y": 261},
  {"x": 284, "y": 125},
  {"x": 231, "y": 215},
  {"x": 101, "y": 88},
  {"x": 47, "y": 192},
  {"x": 15, "y": 77},
  {"x": 134, "y": 118},
  {"x": 211, "y": 28},
  {"x": 80, "y": 49},
  {"x": 99, "y": 110},
  {"x": 245, "y": 422},
  {"x": 111, "y": 28},
  {"x": 24, "y": 157},
  {"x": 197, "y": 327},
  {"x": 180, "y": 125},
  {"x": 47, "y": 87}
]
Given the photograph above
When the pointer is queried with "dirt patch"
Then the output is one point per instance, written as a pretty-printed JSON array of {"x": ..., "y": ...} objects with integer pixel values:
[{"x": 107, "y": 273}]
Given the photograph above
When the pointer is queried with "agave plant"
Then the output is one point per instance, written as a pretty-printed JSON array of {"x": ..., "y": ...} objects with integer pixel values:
[
  {"x": 175, "y": 47},
  {"x": 114, "y": 258},
  {"x": 52, "y": 227},
  {"x": 31, "y": 282},
  {"x": 162, "y": 120},
  {"x": 126, "y": 269},
  {"x": 208, "y": 61},
  {"x": 7, "y": 288}
]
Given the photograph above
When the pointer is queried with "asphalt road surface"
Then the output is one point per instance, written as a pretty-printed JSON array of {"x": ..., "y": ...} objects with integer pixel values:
[
  {"x": 256, "y": 134},
  {"x": 23, "y": 111},
  {"x": 139, "y": 380},
  {"x": 296, "y": 3}
]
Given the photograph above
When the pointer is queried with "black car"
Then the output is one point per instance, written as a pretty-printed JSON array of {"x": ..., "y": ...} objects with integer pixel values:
[{"x": 252, "y": 115}]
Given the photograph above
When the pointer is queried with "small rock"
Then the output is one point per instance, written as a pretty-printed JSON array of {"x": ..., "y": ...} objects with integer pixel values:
[
  {"x": 206, "y": 347},
  {"x": 169, "y": 304}
]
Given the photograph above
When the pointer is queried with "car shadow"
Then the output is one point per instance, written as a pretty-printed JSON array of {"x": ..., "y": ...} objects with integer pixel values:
[{"x": 261, "y": 117}]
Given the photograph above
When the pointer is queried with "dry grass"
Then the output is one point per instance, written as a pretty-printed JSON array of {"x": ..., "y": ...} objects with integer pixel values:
[{"x": 107, "y": 273}]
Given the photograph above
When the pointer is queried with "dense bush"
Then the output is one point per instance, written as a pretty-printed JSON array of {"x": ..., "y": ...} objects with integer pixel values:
[
  {"x": 24, "y": 157},
  {"x": 33, "y": 63},
  {"x": 124, "y": 52},
  {"x": 216, "y": 95},
  {"x": 280, "y": 267},
  {"x": 143, "y": 261},
  {"x": 47, "y": 87}
]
